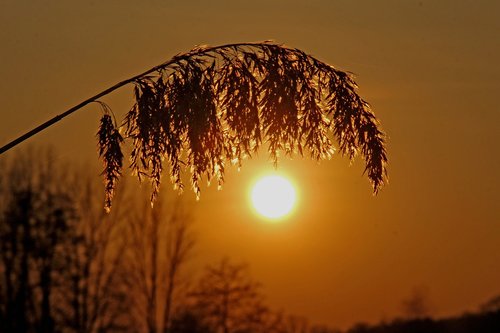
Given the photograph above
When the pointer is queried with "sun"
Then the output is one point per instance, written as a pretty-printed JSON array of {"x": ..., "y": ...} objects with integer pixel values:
[{"x": 273, "y": 196}]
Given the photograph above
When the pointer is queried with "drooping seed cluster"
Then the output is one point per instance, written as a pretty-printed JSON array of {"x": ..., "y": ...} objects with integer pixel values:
[{"x": 215, "y": 105}]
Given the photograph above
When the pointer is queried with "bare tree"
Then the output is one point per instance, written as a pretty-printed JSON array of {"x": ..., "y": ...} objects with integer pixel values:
[
  {"x": 91, "y": 294},
  {"x": 230, "y": 300},
  {"x": 212, "y": 105},
  {"x": 160, "y": 244},
  {"x": 35, "y": 216},
  {"x": 60, "y": 257},
  {"x": 417, "y": 305}
]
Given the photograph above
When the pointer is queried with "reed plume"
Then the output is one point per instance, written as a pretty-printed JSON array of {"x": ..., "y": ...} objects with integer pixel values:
[{"x": 214, "y": 105}]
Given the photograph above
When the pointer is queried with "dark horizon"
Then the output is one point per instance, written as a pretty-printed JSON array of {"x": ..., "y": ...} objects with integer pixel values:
[{"x": 67, "y": 266}]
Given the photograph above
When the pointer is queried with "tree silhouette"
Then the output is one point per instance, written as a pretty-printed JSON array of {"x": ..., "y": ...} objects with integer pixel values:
[
  {"x": 60, "y": 253},
  {"x": 213, "y": 105},
  {"x": 35, "y": 214},
  {"x": 187, "y": 321},
  {"x": 230, "y": 300},
  {"x": 91, "y": 290},
  {"x": 417, "y": 305},
  {"x": 492, "y": 305},
  {"x": 160, "y": 244}
]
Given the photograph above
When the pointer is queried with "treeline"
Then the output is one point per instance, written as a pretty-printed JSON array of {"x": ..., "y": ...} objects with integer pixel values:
[
  {"x": 481, "y": 322},
  {"x": 67, "y": 266}
]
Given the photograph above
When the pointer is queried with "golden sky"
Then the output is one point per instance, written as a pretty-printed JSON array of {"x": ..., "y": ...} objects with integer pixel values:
[{"x": 431, "y": 71}]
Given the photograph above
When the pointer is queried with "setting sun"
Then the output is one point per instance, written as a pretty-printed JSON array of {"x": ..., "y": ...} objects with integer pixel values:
[{"x": 273, "y": 196}]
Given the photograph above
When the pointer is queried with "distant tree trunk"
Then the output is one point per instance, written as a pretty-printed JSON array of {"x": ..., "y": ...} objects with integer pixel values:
[
  {"x": 8, "y": 254},
  {"x": 178, "y": 247},
  {"x": 168, "y": 305},
  {"x": 153, "y": 278},
  {"x": 21, "y": 311},
  {"x": 93, "y": 257},
  {"x": 46, "y": 324},
  {"x": 160, "y": 246},
  {"x": 55, "y": 228},
  {"x": 75, "y": 303},
  {"x": 225, "y": 308}
]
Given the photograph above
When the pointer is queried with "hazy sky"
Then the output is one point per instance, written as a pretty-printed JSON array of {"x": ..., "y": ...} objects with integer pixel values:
[{"x": 431, "y": 71}]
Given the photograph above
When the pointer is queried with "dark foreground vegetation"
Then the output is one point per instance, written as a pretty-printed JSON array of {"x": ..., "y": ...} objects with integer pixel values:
[
  {"x": 67, "y": 266},
  {"x": 483, "y": 322}
]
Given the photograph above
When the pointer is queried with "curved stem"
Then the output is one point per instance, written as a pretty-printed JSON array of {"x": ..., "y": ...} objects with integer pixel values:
[
  {"x": 195, "y": 52},
  {"x": 59, "y": 117}
]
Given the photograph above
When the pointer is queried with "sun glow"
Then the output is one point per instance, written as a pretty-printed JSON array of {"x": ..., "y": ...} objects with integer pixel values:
[{"x": 273, "y": 197}]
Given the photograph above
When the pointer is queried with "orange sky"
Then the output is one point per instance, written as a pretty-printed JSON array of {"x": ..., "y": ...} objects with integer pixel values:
[{"x": 430, "y": 70}]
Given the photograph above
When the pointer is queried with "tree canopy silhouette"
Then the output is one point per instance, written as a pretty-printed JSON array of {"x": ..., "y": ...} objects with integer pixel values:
[{"x": 213, "y": 105}]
